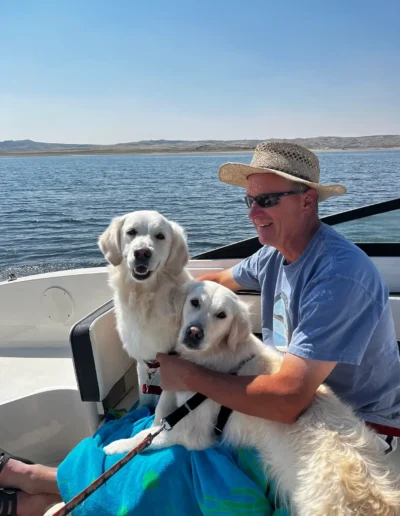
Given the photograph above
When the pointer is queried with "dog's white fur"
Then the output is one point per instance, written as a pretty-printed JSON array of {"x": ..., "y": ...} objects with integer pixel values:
[
  {"x": 145, "y": 309},
  {"x": 54, "y": 508},
  {"x": 326, "y": 463}
]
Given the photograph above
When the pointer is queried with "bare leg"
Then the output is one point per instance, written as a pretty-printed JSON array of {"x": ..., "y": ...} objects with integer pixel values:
[
  {"x": 35, "y": 505},
  {"x": 31, "y": 478}
]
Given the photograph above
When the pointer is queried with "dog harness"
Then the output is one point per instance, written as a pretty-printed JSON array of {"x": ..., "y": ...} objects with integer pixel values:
[
  {"x": 192, "y": 403},
  {"x": 148, "y": 387}
]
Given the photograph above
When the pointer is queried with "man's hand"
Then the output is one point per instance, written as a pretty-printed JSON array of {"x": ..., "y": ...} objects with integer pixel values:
[
  {"x": 175, "y": 372},
  {"x": 224, "y": 278},
  {"x": 282, "y": 396}
]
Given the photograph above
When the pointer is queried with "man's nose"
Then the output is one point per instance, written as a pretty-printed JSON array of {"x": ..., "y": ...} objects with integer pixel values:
[{"x": 255, "y": 210}]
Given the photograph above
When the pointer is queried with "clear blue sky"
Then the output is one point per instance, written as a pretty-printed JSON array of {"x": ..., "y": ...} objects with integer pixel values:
[{"x": 108, "y": 71}]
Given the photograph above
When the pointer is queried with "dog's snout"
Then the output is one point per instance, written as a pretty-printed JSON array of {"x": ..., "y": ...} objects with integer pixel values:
[
  {"x": 143, "y": 253},
  {"x": 194, "y": 332}
]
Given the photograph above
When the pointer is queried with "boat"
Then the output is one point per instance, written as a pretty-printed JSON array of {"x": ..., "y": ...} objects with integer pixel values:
[{"x": 62, "y": 364}]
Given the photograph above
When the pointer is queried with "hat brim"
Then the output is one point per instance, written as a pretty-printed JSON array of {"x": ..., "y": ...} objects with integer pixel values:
[{"x": 237, "y": 174}]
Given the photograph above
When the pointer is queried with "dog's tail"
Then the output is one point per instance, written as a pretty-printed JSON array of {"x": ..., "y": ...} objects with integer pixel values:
[{"x": 358, "y": 478}]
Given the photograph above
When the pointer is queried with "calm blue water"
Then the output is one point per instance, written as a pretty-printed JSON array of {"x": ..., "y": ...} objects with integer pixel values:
[{"x": 54, "y": 208}]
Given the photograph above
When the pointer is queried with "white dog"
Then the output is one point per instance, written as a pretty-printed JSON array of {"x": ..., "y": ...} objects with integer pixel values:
[
  {"x": 327, "y": 463},
  {"x": 147, "y": 254}
]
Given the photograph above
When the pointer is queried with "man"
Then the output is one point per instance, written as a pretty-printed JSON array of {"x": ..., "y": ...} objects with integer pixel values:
[{"x": 322, "y": 299}]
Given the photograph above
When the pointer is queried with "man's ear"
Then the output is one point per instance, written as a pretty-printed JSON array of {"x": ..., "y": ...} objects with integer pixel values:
[
  {"x": 110, "y": 241},
  {"x": 310, "y": 200},
  {"x": 241, "y": 327}
]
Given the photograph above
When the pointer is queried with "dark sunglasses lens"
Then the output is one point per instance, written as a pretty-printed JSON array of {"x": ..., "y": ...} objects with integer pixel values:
[
  {"x": 264, "y": 201},
  {"x": 267, "y": 201}
]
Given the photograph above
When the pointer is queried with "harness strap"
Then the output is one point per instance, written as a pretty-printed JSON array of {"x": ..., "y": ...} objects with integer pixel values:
[
  {"x": 152, "y": 364},
  {"x": 148, "y": 388},
  {"x": 389, "y": 442},
  {"x": 384, "y": 430},
  {"x": 151, "y": 389},
  {"x": 225, "y": 412},
  {"x": 177, "y": 415},
  {"x": 172, "y": 419},
  {"x": 222, "y": 419}
]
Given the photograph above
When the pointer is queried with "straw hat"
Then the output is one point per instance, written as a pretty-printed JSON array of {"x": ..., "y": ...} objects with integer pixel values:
[{"x": 283, "y": 159}]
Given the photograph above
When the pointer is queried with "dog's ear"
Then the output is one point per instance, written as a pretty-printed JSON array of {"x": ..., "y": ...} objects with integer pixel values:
[
  {"x": 241, "y": 327},
  {"x": 178, "y": 298},
  {"x": 109, "y": 241},
  {"x": 179, "y": 254}
]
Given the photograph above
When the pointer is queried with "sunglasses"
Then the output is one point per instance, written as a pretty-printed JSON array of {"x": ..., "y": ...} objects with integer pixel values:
[{"x": 268, "y": 200}]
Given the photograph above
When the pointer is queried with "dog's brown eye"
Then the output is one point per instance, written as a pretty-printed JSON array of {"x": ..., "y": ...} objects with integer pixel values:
[
  {"x": 160, "y": 236},
  {"x": 195, "y": 303},
  {"x": 221, "y": 315},
  {"x": 131, "y": 232}
]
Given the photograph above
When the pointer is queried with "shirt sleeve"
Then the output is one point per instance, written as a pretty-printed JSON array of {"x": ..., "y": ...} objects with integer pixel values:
[
  {"x": 337, "y": 319},
  {"x": 246, "y": 272}
]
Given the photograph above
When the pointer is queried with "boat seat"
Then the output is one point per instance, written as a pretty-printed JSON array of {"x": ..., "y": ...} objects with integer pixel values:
[{"x": 104, "y": 371}]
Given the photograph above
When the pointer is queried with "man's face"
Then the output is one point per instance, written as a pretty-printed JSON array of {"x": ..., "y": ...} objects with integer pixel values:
[{"x": 276, "y": 224}]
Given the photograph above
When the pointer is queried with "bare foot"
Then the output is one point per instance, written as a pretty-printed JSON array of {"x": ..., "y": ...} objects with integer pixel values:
[{"x": 31, "y": 478}]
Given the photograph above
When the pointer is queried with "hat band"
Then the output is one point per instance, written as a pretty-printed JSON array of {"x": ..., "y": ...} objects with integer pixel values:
[{"x": 299, "y": 176}]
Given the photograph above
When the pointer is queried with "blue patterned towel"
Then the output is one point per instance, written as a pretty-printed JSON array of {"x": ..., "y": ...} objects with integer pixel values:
[{"x": 174, "y": 481}]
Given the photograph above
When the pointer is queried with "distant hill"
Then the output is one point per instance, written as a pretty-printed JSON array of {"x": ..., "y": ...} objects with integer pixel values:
[
  {"x": 20, "y": 147},
  {"x": 31, "y": 146}
]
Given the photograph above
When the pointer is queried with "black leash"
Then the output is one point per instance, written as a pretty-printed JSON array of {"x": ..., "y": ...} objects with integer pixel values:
[
  {"x": 96, "y": 484},
  {"x": 166, "y": 424}
]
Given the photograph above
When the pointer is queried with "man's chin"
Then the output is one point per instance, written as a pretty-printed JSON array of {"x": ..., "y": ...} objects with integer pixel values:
[
  {"x": 265, "y": 236},
  {"x": 265, "y": 241}
]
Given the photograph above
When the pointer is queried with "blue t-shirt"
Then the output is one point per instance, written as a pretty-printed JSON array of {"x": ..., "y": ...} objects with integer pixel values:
[{"x": 332, "y": 304}]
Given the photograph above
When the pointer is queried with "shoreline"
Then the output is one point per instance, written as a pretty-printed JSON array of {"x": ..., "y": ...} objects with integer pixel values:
[{"x": 166, "y": 152}]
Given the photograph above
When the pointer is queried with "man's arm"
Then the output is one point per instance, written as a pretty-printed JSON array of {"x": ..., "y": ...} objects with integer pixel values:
[
  {"x": 282, "y": 397},
  {"x": 224, "y": 278},
  {"x": 243, "y": 275}
]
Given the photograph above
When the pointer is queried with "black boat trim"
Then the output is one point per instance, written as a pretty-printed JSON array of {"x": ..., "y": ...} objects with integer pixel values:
[{"x": 245, "y": 248}]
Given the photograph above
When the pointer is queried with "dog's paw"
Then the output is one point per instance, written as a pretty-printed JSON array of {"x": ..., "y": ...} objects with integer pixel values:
[{"x": 121, "y": 446}]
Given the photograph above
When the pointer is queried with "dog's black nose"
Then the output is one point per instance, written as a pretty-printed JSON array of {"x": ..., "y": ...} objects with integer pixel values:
[
  {"x": 194, "y": 332},
  {"x": 143, "y": 253}
]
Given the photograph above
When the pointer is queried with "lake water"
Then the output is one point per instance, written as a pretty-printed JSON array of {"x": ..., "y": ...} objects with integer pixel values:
[{"x": 54, "y": 208}]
